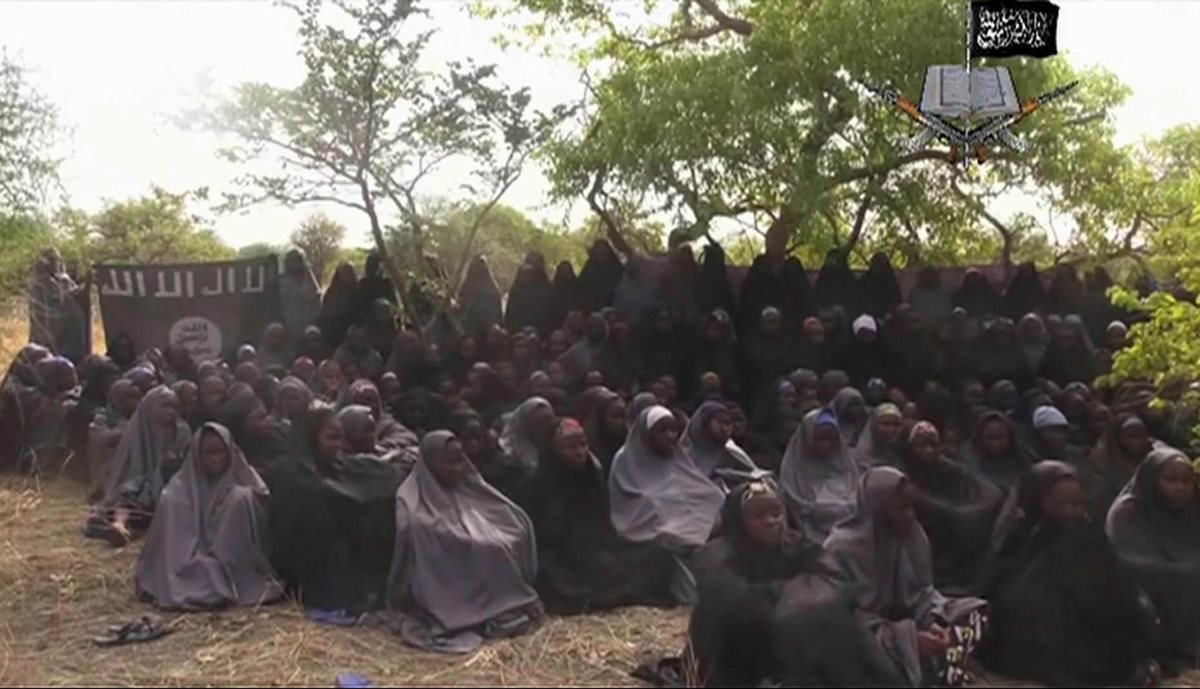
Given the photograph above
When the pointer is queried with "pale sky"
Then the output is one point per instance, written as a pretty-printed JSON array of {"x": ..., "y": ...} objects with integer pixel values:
[{"x": 119, "y": 70}]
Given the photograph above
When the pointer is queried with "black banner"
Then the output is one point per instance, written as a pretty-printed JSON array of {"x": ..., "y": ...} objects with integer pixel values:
[
  {"x": 1006, "y": 28},
  {"x": 209, "y": 308}
]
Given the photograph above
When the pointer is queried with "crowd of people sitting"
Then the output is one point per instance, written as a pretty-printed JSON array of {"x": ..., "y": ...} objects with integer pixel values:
[{"x": 850, "y": 485}]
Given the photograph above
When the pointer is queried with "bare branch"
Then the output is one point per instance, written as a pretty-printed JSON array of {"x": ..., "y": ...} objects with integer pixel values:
[{"x": 734, "y": 24}]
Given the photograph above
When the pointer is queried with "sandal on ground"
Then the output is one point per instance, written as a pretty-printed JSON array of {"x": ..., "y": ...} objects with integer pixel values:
[{"x": 141, "y": 631}]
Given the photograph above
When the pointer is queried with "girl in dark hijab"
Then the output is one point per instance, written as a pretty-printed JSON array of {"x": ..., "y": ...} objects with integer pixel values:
[
  {"x": 583, "y": 565},
  {"x": 679, "y": 282},
  {"x": 768, "y": 355},
  {"x": 564, "y": 296},
  {"x": 930, "y": 300},
  {"x": 1117, "y": 456},
  {"x": 763, "y": 450},
  {"x": 105, "y": 432},
  {"x": 374, "y": 284},
  {"x": 1025, "y": 293},
  {"x": 465, "y": 556},
  {"x": 774, "y": 279},
  {"x": 299, "y": 295},
  {"x": 994, "y": 452},
  {"x": 1066, "y": 291},
  {"x": 337, "y": 306},
  {"x": 529, "y": 297},
  {"x": 206, "y": 546},
  {"x": 976, "y": 295},
  {"x": 769, "y": 609},
  {"x": 955, "y": 507},
  {"x": 500, "y": 470},
  {"x": 878, "y": 289},
  {"x": 1063, "y": 610},
  {"x": 479, "y": 299},
  {"x": 254, "y": 431},
  {"x": 662, "y": 344},
  {"x": 357, "y": 355},
  {"x": 713, "y": 290},
  {"x": 598, "y": 280},
  {"x": 884, "y": 558},
  {"x": 1069, "y": 359},
  {"x": 1097, "y": 310},
  {"x": 835, "y": 283},
  {"x": 1002, "y": 358},
  {"x": 381, "y": 328},
  {"x": 604, "y": 420},
  {"x": 397, "y": 443},
  {"x": 1155, "y": 527},
  {"x": 332, "y": 523},
  {"x": 717, "y": 353}
]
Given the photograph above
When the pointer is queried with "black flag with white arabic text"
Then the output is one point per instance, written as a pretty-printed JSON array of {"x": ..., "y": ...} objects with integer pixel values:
[{"x": 1005, "y": 28}]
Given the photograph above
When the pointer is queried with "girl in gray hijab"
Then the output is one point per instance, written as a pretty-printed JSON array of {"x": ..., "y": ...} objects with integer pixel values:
[
  {"x": 206, "y": 547},
  {"x": 465, "y": 559},
  {"x": 818, "y": 477},
  {"x": 656, "y": 493},
  {"x": 150, "y": 450},
  {"x": 299, "y": 294},
  {"x": 707, "y": 441},
  {"x": 524, "y": 428},
  {"x": 852, "y": 415},
  {"x": 884, "y": 557}
]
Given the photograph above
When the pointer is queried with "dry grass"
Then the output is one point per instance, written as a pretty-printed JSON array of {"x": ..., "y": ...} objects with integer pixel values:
[
  {"x": 58, "y": 590},
  {"x": 14, "y": 329}
]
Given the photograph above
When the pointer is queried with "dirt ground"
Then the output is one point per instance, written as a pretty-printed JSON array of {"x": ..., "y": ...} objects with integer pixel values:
[{"x": 58, "y": 590}]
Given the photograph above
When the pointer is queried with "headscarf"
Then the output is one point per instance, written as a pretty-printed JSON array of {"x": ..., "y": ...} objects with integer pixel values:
[
  {"x": 841, "y": 405},
  {"x": 1048, "y": 417},
  {"x": 479, "y": 298},
  {"x": 291, "y": 383},
  {"x": 929, "y": 299},
  {"x": 878, "y": 288},
  {"x": 145, "y": 447},
  {"x": 640, "y": 403},
  {"x": 891, "y": 579},
  {"x": 1143, "y": 528},
  {"x": 666, "y": 500},
  {"x": 464, "y": 556},
  {"x": 529, "y": 297},
  {"x": 299, "y": 295},
  {"x": 514, "y": 441},
  {"x": 337, "y": 305},
  {"x": 206, "y": 547},
  {"x": 871, "y": 451},
  {"x": 1004, "y": 472},
  {"x": 819, "y": 493},
  {"x": 704, "y": 453},
  {"x": 564, "y": 295}
]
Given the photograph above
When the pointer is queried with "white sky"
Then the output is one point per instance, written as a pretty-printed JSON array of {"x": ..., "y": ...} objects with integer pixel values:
[{"x": 118, "y": 70}]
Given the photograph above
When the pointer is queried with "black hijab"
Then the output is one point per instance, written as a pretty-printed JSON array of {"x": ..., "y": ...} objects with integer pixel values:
[
  {"x": 1025, "y": 293},
  {"x": 529, "y": 297},
  {"x": 835, "y": 283},
  {"x": 599, "y": 278},
  {"x": 878, "y": 289}
]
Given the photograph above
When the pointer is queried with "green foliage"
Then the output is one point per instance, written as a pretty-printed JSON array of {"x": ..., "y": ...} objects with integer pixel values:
[
  {"x": 749, "y": 108},
  {"x": 260, "y": 249},
  {"x": 367, "y": 123},
  {"x": 22, "y": 237},
  {"x": 156, "y": 228},
  {"x": 28, "y": 131},
  {"x": 320, "y": 237},
  {"x": 505, "y": 235}
]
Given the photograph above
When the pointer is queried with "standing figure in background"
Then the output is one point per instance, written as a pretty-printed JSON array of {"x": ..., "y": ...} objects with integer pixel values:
[
  {"x": 55, "y": 317},
  {"x": 299, "y": 295}
]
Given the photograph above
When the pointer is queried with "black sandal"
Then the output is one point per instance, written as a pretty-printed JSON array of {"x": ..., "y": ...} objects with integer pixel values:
[{"x": 141, "y": 631}]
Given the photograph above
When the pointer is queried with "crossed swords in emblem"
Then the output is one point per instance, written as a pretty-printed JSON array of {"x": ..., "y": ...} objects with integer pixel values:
[{"x": 992, "y": 130}]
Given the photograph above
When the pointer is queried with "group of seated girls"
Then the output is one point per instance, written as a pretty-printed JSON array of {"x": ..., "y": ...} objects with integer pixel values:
[{"x": 827, "y": 527}]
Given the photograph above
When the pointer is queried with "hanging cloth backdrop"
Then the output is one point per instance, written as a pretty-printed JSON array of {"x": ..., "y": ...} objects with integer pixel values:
[{"x": 209, "y": 308}]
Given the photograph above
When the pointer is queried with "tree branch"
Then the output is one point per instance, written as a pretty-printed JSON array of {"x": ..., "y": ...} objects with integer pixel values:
[
  {"x": 734, "y": 24},
  {"x": 606, "y": 218},
  {"x": 860, "y": 218}
]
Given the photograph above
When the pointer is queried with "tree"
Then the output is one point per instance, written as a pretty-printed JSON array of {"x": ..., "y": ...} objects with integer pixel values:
[
  {"x": 1163, "y": 347},
  {"x": 156, "y": 228},
  {"x": 260, "y": 249},
  {"x": 503, "y": 234},
  {"x": 320, "y": 237},
  {"x": 367, "y": 124},
  {"x": 28, "y": 130},
  {"x": 749, "y": 109}
]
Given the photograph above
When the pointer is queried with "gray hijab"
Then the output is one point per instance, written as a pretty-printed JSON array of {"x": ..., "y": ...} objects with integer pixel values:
[
  {"x": 465, "y": 559},
  {"x": 206, "y": 547},
  {"x": 136, "y": 477},
  {"x": 891, "y": 579},
  {"x": 1142, "y": 528},
  {"x": 663, "y": 500},
  {"x": 706, "y": 454},
  {"x": 514, "y": 441},
  {"x": 819, "y": 492},
  {"x": 841, "y": 403}
]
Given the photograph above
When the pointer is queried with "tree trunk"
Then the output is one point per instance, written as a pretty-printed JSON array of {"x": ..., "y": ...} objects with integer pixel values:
[{"x": 385, "y": 256}]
